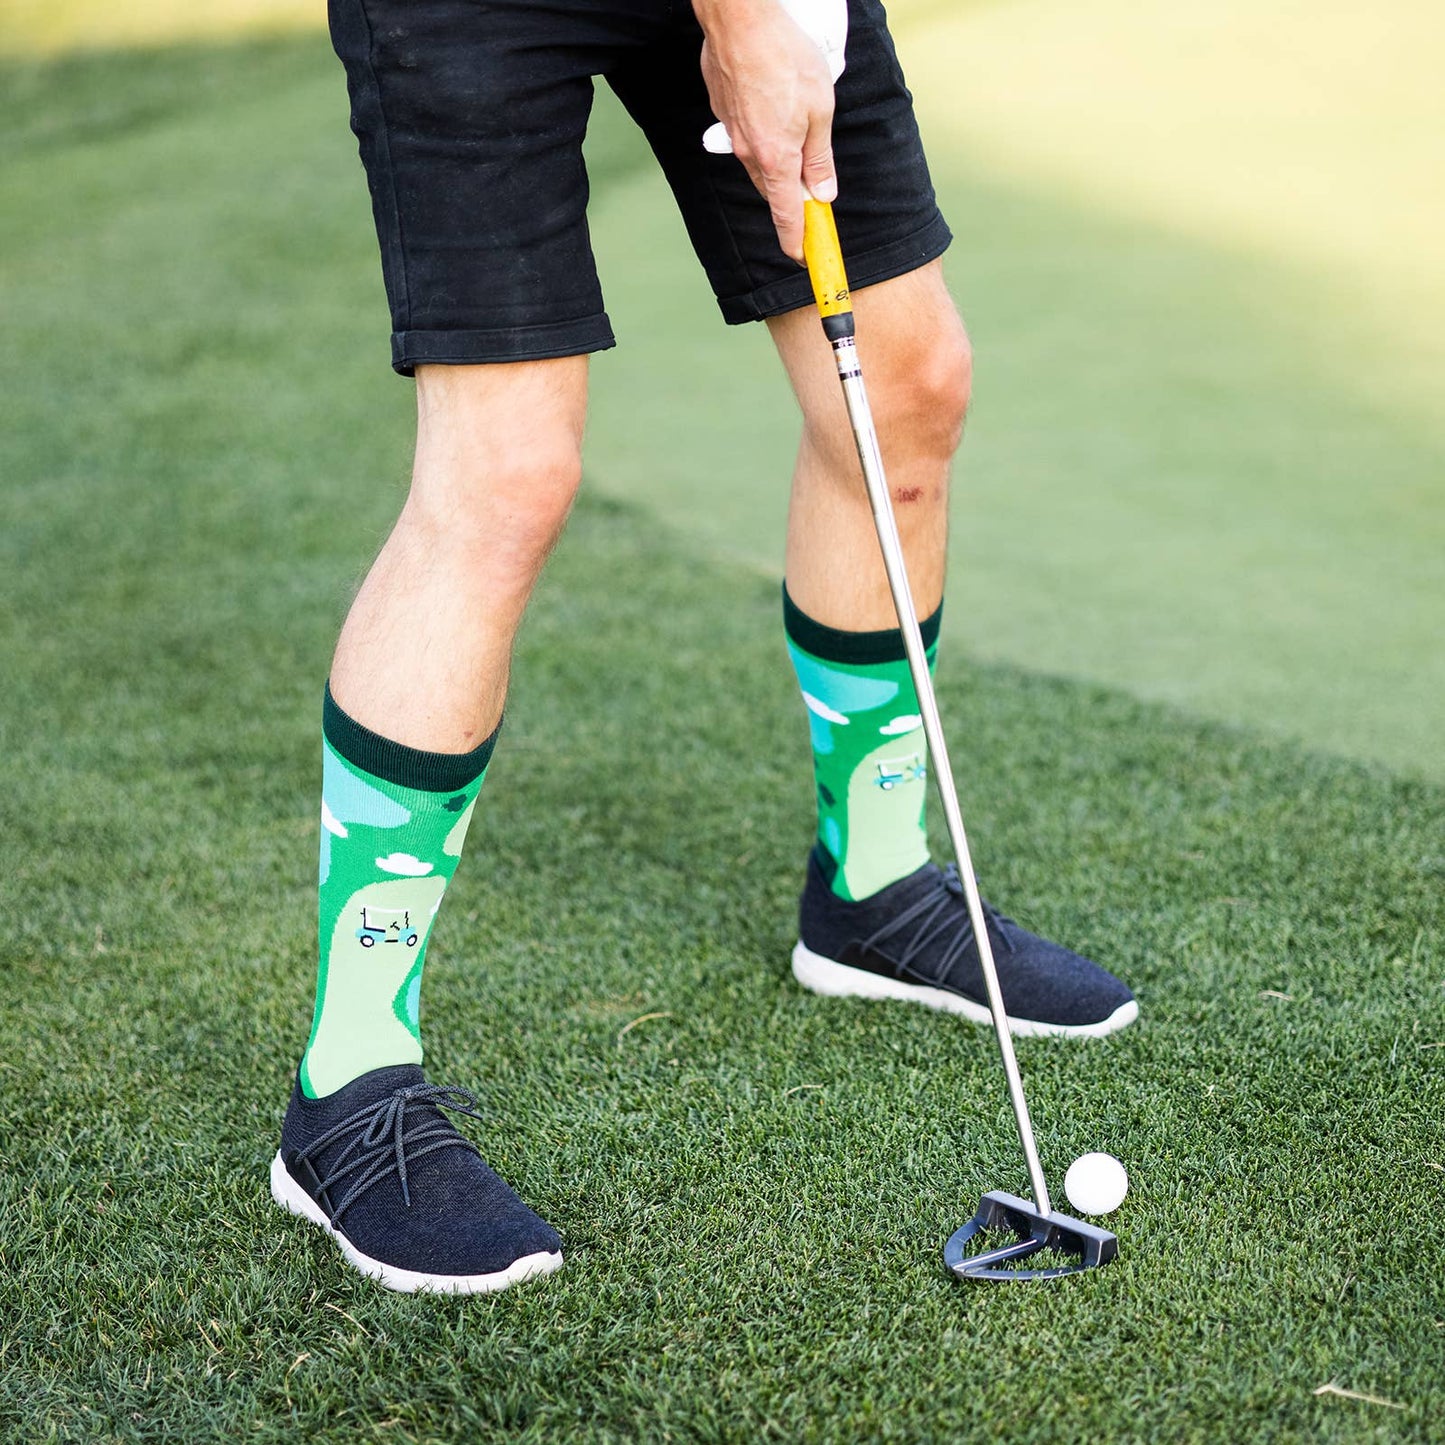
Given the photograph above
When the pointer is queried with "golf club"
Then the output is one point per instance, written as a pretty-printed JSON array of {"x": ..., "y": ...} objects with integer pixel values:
[{"x": 1036, "y": 1226}]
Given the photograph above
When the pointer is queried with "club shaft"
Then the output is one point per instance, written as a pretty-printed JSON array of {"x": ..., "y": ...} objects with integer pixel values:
[{"x": 865, "y": 434}]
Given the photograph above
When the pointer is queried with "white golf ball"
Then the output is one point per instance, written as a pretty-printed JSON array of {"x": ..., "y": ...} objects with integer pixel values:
[{"x": 1096, "y": 1183}]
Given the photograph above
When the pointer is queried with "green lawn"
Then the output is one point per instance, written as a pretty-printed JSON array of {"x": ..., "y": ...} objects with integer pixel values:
[
  {"x": 201, "y": 445},
  {"x": 1202, "y": 256}
]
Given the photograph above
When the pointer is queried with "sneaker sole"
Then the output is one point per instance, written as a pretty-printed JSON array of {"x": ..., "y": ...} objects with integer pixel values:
[
  {"x": 295, "y": 1200},
  {"x": 838, "y": 980}
]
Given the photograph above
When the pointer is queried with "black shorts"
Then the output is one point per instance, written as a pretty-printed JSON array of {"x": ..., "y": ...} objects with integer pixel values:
[{"x": 471, "y": 117}]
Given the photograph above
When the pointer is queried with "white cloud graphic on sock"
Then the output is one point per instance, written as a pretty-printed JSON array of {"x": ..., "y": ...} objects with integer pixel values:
[
  {"x": 905, "y": 724},
  {"x": 405, "y": 864},
  {"x": 825, "y": 712}
]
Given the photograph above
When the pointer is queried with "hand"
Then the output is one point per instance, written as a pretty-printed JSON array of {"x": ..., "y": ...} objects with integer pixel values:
[{"x": 770, "y": 85}]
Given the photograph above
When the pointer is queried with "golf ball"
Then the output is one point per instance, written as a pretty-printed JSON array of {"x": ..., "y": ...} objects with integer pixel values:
[{"x": 1096, "y": 1183}]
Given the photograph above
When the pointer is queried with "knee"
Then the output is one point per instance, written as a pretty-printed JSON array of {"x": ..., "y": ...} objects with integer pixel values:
[
  {"x": 528, "y": 495},
  {"x": 919, "y": 381},
  {"x": 498, "y": 460},
  {"x": 926, "y": 394},
  {"x": 503, "y": 510}
]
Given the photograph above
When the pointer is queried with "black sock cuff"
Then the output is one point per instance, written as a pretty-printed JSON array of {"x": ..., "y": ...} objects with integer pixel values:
[
  {"x": 395, "y": 762},
  {"x": 831, "y": 645}
]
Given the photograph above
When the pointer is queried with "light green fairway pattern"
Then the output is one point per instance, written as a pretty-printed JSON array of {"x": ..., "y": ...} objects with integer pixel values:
[
  {"x": 1309, "y": 133},
  {"x": 1203, "y": 261}
]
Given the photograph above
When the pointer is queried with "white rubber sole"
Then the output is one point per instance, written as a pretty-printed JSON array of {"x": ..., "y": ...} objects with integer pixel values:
[
  {"x": 293, "y": 1198},
  {"x": 837, "y": 980}
]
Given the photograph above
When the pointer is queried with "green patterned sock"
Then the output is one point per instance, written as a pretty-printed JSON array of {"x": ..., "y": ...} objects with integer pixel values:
[
  {"x": 393, "y": 820},
  {"x": 869, "y": 754}
]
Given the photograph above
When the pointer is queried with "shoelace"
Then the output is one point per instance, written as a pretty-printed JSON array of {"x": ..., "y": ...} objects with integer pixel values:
[
  {"x": 384, "y": 1146},
  {"x": 936, "y": 918}
]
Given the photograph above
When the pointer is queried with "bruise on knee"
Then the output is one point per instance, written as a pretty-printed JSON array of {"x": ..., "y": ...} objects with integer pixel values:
[{"x": 904, "y": 495}]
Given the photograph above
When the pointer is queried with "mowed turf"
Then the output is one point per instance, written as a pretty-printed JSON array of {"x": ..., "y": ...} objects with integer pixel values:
[
  {"x": 753, "y": 1184},
  {"x": 1199, "y": 251}
]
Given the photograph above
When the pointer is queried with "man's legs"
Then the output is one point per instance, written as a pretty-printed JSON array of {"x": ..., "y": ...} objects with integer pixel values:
[
  {"x": 918, "y": 370},
  {"x": 869, "y": 754},
  {"x": 415, "y": 700},
  {"x": 425, "y": 651},
  {"x": 877, "y": 918}
]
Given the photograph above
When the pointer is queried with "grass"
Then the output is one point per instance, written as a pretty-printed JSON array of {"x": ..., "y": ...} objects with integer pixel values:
[
  {"x": 1220, "y": 451},
  {"x": 754, "y": 1184},
  {"x": 57, "y": 27},
  {"x": 1200, "y": 254},
  {"x": 1218, "y": 458}
]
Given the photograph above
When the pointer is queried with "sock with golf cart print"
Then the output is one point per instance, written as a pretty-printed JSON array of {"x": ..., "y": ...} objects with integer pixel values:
[
  {"x": 393, "y": 820},
  {"x": 870, "y": 758}
]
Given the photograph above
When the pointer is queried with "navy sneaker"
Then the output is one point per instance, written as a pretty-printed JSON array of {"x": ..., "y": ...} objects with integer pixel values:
[
  {"x": 409, "y": 1200},
  {"x": 913, "y": 940}
]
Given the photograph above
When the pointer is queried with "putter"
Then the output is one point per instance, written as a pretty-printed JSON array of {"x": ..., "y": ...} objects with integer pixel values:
[{"x": 1035, "y": 1227}]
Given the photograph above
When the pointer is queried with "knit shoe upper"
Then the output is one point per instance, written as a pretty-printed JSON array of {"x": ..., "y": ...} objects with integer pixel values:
[
  {"x": 407, "y": 1197},
  {"x": 914, "y": 940}
]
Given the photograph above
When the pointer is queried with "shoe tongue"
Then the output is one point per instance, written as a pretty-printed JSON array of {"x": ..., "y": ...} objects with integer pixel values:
[
  {"x": 381, "y": 1084},
  {"x": 922, "y": 881}
]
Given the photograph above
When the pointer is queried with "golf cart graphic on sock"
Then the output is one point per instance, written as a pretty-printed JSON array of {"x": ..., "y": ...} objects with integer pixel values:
[
  {"x": 398, "y": 930},
  {"x": 894, "y": 771}
]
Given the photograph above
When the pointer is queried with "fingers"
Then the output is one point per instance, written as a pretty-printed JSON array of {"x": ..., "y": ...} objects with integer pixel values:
[
  {"x": 769, "y": 84},
  {"x": 808, "y": 172},
  {"x": 786, "y": 183},
  {"x": 788, "y": 222},
  {"x": 781, "y": 188},
  {"x": 819, "y": 178}
]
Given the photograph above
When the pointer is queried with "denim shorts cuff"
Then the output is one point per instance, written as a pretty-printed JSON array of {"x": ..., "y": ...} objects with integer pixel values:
[
  {"x": 410, "y": 349},
  {"x": 882, "y": 263}
]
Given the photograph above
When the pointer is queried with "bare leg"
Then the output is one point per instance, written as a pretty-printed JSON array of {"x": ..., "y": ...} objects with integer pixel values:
[
  {"x": 916, "y": 364},
  {"x": 425, "y": 652},
  {"x": 915, "y": 360},
  {"x": 868, "y": 744}
]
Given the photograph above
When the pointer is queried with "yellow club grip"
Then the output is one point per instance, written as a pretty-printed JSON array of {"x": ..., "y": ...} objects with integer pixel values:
[{"x": 825, "y": 260}]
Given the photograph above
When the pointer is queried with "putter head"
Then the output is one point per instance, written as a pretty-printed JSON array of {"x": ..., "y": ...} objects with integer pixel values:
[{"x": 1086, "y": 1245}]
